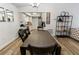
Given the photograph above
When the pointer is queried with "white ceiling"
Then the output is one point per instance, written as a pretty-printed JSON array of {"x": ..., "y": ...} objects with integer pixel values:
[{"x": 21, "y": 4}]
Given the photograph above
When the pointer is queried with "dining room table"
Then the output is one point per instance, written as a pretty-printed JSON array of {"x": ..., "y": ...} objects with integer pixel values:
[{"x": 37, "y": 38}]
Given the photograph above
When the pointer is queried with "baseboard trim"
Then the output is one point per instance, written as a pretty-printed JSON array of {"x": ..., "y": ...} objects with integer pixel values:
[{"x": 6, "y": 44}]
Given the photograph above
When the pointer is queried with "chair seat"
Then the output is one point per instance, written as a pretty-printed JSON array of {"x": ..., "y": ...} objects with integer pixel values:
[{"x": 40, "y": 27}]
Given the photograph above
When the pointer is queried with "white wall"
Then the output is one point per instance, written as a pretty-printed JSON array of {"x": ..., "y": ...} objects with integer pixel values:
[
  {"x": 8, "y": 30},
  {"x": 55, "y": 9}
]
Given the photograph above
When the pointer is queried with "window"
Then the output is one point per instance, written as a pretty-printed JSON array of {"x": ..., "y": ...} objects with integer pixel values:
[
  {"x": 9, "y": 15},
  {"x": 2, "y": 14}
]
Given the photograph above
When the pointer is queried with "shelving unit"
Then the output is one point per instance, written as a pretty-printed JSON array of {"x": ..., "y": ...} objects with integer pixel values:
[{"x": 63, "y": 25}]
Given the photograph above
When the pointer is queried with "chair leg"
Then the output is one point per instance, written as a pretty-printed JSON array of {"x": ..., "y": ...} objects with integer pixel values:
[
  {"x": 58, "y": 50},
  {"x": 54, "y": 49},
  {"x": 23, "y": 50}
]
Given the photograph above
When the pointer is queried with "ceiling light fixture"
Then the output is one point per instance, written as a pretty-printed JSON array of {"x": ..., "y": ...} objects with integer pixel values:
[{"x": 35, "y": 4}]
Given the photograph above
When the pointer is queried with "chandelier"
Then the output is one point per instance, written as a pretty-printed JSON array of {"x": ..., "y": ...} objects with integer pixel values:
[{"x": 34, "y": 4}]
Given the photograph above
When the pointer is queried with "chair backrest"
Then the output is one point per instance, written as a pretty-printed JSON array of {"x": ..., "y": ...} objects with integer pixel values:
[
  {"x": 22, "y": 34},
  {"x": 41, "y": 51}
]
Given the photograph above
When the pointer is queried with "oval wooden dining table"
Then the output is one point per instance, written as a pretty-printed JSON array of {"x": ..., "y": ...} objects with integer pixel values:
[{"x": 37, "y": 38}]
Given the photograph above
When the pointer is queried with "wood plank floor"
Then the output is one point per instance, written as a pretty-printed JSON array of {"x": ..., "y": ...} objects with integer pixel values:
[{"x": 69, "y": 46}]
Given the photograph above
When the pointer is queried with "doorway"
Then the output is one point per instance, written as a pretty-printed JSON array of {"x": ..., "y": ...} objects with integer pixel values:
[{"x": 34, "y": 22}]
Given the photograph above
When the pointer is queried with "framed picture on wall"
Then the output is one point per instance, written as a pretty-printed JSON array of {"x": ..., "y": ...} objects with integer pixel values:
[
  {"x": 48, "y": 18},
  {"x": 2, "y": 14},
  {"x": 9, "y": 16}
]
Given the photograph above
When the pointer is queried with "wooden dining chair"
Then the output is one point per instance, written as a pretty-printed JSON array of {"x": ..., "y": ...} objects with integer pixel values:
[
  {"x": 22, "y": 34},
  {"x": 41, "y": 50}
]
